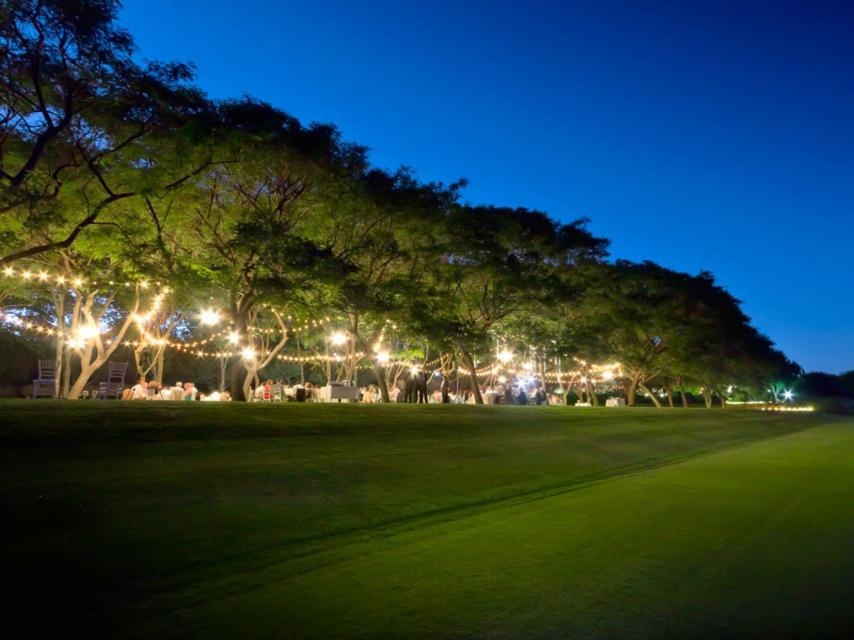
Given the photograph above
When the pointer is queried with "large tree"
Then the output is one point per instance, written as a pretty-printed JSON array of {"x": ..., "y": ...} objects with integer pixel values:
[{"x": 78, "y": 120}]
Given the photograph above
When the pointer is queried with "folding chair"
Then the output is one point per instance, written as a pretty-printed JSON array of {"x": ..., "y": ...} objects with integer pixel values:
[
  {"x": 115, "y": 382},
  {"x": 46, "y": 379}
]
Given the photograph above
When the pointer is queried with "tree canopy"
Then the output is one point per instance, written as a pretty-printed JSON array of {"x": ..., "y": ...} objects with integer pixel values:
[{"x": 131, "y": 203}]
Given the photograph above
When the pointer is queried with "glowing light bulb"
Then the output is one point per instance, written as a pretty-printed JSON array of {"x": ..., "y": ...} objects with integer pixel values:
[
  {"x": 788, "y": 395},
  {"x": 528, "y": 366},
  {"x": 43, "y": 276},
  {"x": 383, "y": 357},
  {"x": 505, "y": 356},
  {"x": 607, "y": 375},
  {"x": 338, "y": 338},
  {"x": 8, "y": 271},
  {"x": 210, "y": 317},
  {"x": 233, "y": 337},
  {"x": 88, "y": 332},
  {"x": 414, "y": 371},
  {"x": 248, "y": 353}
]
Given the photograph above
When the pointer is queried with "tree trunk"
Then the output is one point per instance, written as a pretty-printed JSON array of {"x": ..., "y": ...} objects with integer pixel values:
[
  {"x": 468, "y": 362},
  {"x": 380, "y": 374},
  {"x": 682, "y": 393},
  {"x": 159, "y": 365},
  {"x": 632, "y": 390},
  {"x": 60, "y": 344},
  {"x": 88, "y": 366},
  {"x": 223, "y": 365},
  {"x": 592, "y": 398},
  {"x": 707, "y": 396},
  {"x": 301, "y": 363},
  {"x": 236, "y": 386},
  {"x": 670, "y": 395},
  {"x": 646, "y": 390}
]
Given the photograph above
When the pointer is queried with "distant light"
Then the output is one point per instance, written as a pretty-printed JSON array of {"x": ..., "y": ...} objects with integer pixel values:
[
  {"x": 338, "y": 338},
  {"x": 607, "y": 375},
  {"x": 505, "y": 356},
  {"x": 233, "y": 337},
  {"x": 502, "y": 379},
  {"x": 210, "y": 317},
  {"x": 248, "y": 353},
  {"x": 788, "y": 395},
  {"x": 528, "y": 366}
]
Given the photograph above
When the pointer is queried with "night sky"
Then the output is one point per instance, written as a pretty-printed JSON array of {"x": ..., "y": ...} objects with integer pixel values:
[{"x": 714, "y": 136}]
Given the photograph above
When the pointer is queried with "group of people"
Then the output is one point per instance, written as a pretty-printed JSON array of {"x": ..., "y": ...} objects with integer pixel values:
[
  {"x": 184, "y": 391},
  {"x": 270, "y": 391},
  {"x": 413, "y": 389}
]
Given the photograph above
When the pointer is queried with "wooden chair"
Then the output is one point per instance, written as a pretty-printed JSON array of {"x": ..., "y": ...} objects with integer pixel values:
[
  {"x": 115, "y": 382},
  {"x": 46, "y": 379}
]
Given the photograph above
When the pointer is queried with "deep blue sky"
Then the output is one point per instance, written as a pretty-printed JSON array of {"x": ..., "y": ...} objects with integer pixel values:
[{"x": 713, "y": 136}]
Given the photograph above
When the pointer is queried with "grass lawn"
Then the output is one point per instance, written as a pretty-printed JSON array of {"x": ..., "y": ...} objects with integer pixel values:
[{"x": 163, "y": 520}]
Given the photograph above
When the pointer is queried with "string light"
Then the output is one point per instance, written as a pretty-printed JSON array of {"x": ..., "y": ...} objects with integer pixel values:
[
  {"x": 210, "y": 317},
  {"x": 338, "y": 338},
  {"x": 88, "y": 332}
]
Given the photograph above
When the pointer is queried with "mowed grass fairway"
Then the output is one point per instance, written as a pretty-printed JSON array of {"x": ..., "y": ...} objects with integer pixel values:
[{"x": 163, "y": 520}]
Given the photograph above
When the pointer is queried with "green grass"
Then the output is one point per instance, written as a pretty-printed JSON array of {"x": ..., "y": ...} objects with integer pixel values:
[{"x": 177, "y": 520}]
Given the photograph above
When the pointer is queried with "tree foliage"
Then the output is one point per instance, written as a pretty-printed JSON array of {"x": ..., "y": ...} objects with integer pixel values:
[{"x": 127, "y": 171}]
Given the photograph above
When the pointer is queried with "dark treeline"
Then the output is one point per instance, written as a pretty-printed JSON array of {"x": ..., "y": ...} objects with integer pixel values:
[{"x": 120, "y": 179}]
